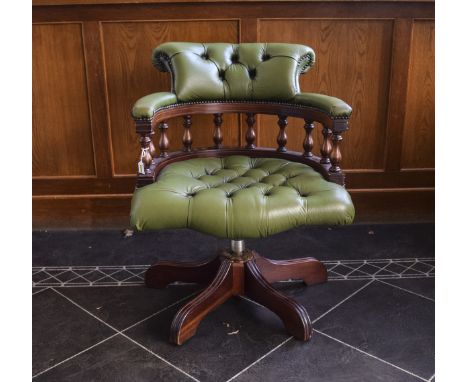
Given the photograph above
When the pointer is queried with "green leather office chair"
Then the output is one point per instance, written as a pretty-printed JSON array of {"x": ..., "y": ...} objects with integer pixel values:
[{"x": 241, "y": 192}]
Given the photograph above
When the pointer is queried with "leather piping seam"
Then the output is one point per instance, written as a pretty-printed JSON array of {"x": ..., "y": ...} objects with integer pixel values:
[{"x": 175, "y": 105}]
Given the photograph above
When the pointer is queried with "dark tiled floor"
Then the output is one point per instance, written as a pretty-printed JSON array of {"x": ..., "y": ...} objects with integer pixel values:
[
  {"x": 381, "y": 241},
  {"x": 322, "y": 359},
  {"x": 400, "y": 331},
  {"x": 121, "y": 307},
  {"x": 370, "y": 329},
  {"x": 61, "y": 330},
  {"x": 117, "y": 359}
]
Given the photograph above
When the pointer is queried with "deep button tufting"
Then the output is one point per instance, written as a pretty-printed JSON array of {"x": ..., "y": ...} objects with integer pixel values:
[
  {"x": 222, "y": 76},
  {"x": 252, "y": 73},
  {"x": 194, "y": 81},
  {"x": 240, "y": 207}
]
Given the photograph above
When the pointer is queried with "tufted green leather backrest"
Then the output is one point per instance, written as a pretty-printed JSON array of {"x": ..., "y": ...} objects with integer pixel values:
[{"x": 221, "y": 71}]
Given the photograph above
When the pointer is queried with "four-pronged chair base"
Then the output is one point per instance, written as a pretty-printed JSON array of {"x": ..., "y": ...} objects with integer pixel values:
[{"x": 232, "y": 274}]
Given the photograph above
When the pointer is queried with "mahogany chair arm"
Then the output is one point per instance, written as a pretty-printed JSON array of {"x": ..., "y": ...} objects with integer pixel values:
[{"x": 328, "y": 164}]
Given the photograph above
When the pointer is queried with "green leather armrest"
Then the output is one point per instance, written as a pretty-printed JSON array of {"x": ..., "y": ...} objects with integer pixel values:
[
  {"x": 332, "y": 106},
  {"x": 146, "y": 107}
]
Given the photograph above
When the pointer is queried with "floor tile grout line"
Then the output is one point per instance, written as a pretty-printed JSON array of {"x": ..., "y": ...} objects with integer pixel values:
[
  {"x": 342, "y": 301},
  {"x": 387, "y": 265},
  {"x": 83, "y": 275},
  {"x": 144, "y": 266},
  {"x": 126, "y": 336},
  {"x": 407, "y": 290},
  {"x": 431, "y": 379},
  {"x": 51, "y": 277},
  {"x": 352, "y": 265},
  {"x": 93, "y": 284},
  {"x": 370, "y": 355},
  {"x": 159, "y": 357},
  {"x": 410, "y": 268},
  {"x": 68, "y": 284},
  {"x": 88, "y": 285},
  {"x": 277, "y": 347},
  {"x": 39, "y": 291},
  {"x": 159, "y": 311},
  {"x": 252, "y": 301},
  {"x": 429, "y": 265},
  {"x": 75, "y": 355},
  {"x": 261, "y": 358}
]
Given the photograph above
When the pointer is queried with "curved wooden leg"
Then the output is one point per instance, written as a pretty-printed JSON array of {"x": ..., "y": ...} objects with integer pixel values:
[
  {"x": 308, "y": 269},
  {"x": 163, "y": 273},
  {"x": 225, "y": 284},
  {"x": 294, "y": 316}
]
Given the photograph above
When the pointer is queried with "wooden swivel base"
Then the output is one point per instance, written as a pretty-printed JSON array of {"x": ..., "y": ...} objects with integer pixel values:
[{"x": 232, "y": 274}]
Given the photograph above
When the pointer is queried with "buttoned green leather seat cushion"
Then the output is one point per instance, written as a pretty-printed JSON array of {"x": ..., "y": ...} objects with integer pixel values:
[{"x": 238, "y": 197}]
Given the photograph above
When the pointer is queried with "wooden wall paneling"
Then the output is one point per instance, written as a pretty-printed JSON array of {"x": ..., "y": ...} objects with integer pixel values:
[
  {"x": 61, "y": 130},
  {"x": 419, "y": 124},
  {"x": 398, "y": 93},
  {"x": 98, "y": 98},
  {"x": 113, "y": 210},
  {"x": 239, "y": 9},
  {"x": 248, "y": 29},
  {"x": 131, "y": 75},
  {"x": 353, "y": 60},
  {"x": 81, "y": 211},
  {"x": 94, "y": 61}
]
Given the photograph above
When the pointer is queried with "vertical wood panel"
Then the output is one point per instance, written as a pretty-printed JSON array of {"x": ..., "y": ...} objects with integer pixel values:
[
  {"x": 99, "y": 61},
  {"x": 398, "y": 92},
  {"x": 62, "y": 138},
  {"x": 353, "y": 60},
  {"x": 97, "y": 98},
  {"x": 418, "y": 134},
  {"x": 130, "y": 75}
]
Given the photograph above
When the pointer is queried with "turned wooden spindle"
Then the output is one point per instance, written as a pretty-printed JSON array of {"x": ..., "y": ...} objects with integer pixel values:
[
  {"x": 308, "y": 140},
  {"x": 282, "y": 138},
  {"x": 163, "y": 139},
  {"x": 152, "y": 149},
  {"x": 145, "y": 144},
  {"x": 326, "y": 148},
  {"x": 335, "y": 155},
  {"x": 250, "y": 133},
  {"x": 187, "y": 138},
  {"x": 217, "y": 135}
]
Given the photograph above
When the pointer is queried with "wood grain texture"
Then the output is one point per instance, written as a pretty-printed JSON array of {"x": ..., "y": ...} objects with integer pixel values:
[
  {"x": 64, "y": 2},
  {"x": 61, "y": 129},
  {"x": 402, "y": 31},
  {"x": 112, "y": 211},
  {"x": 353, "y": 63},
  {"x": 76, "y": 187},
  {"x": 130, "y": 75},
  {"x": 97, "y": 97},
  {"x": 238, "y": 9},
  {"x": 418, "y": 149},
  {"x": 163, "y": 273}
]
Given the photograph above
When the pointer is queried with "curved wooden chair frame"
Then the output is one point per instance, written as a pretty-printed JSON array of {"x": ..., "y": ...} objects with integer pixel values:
[
  {"x": 234, "y": 273},
  {"x": 328, "y": 164}
]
